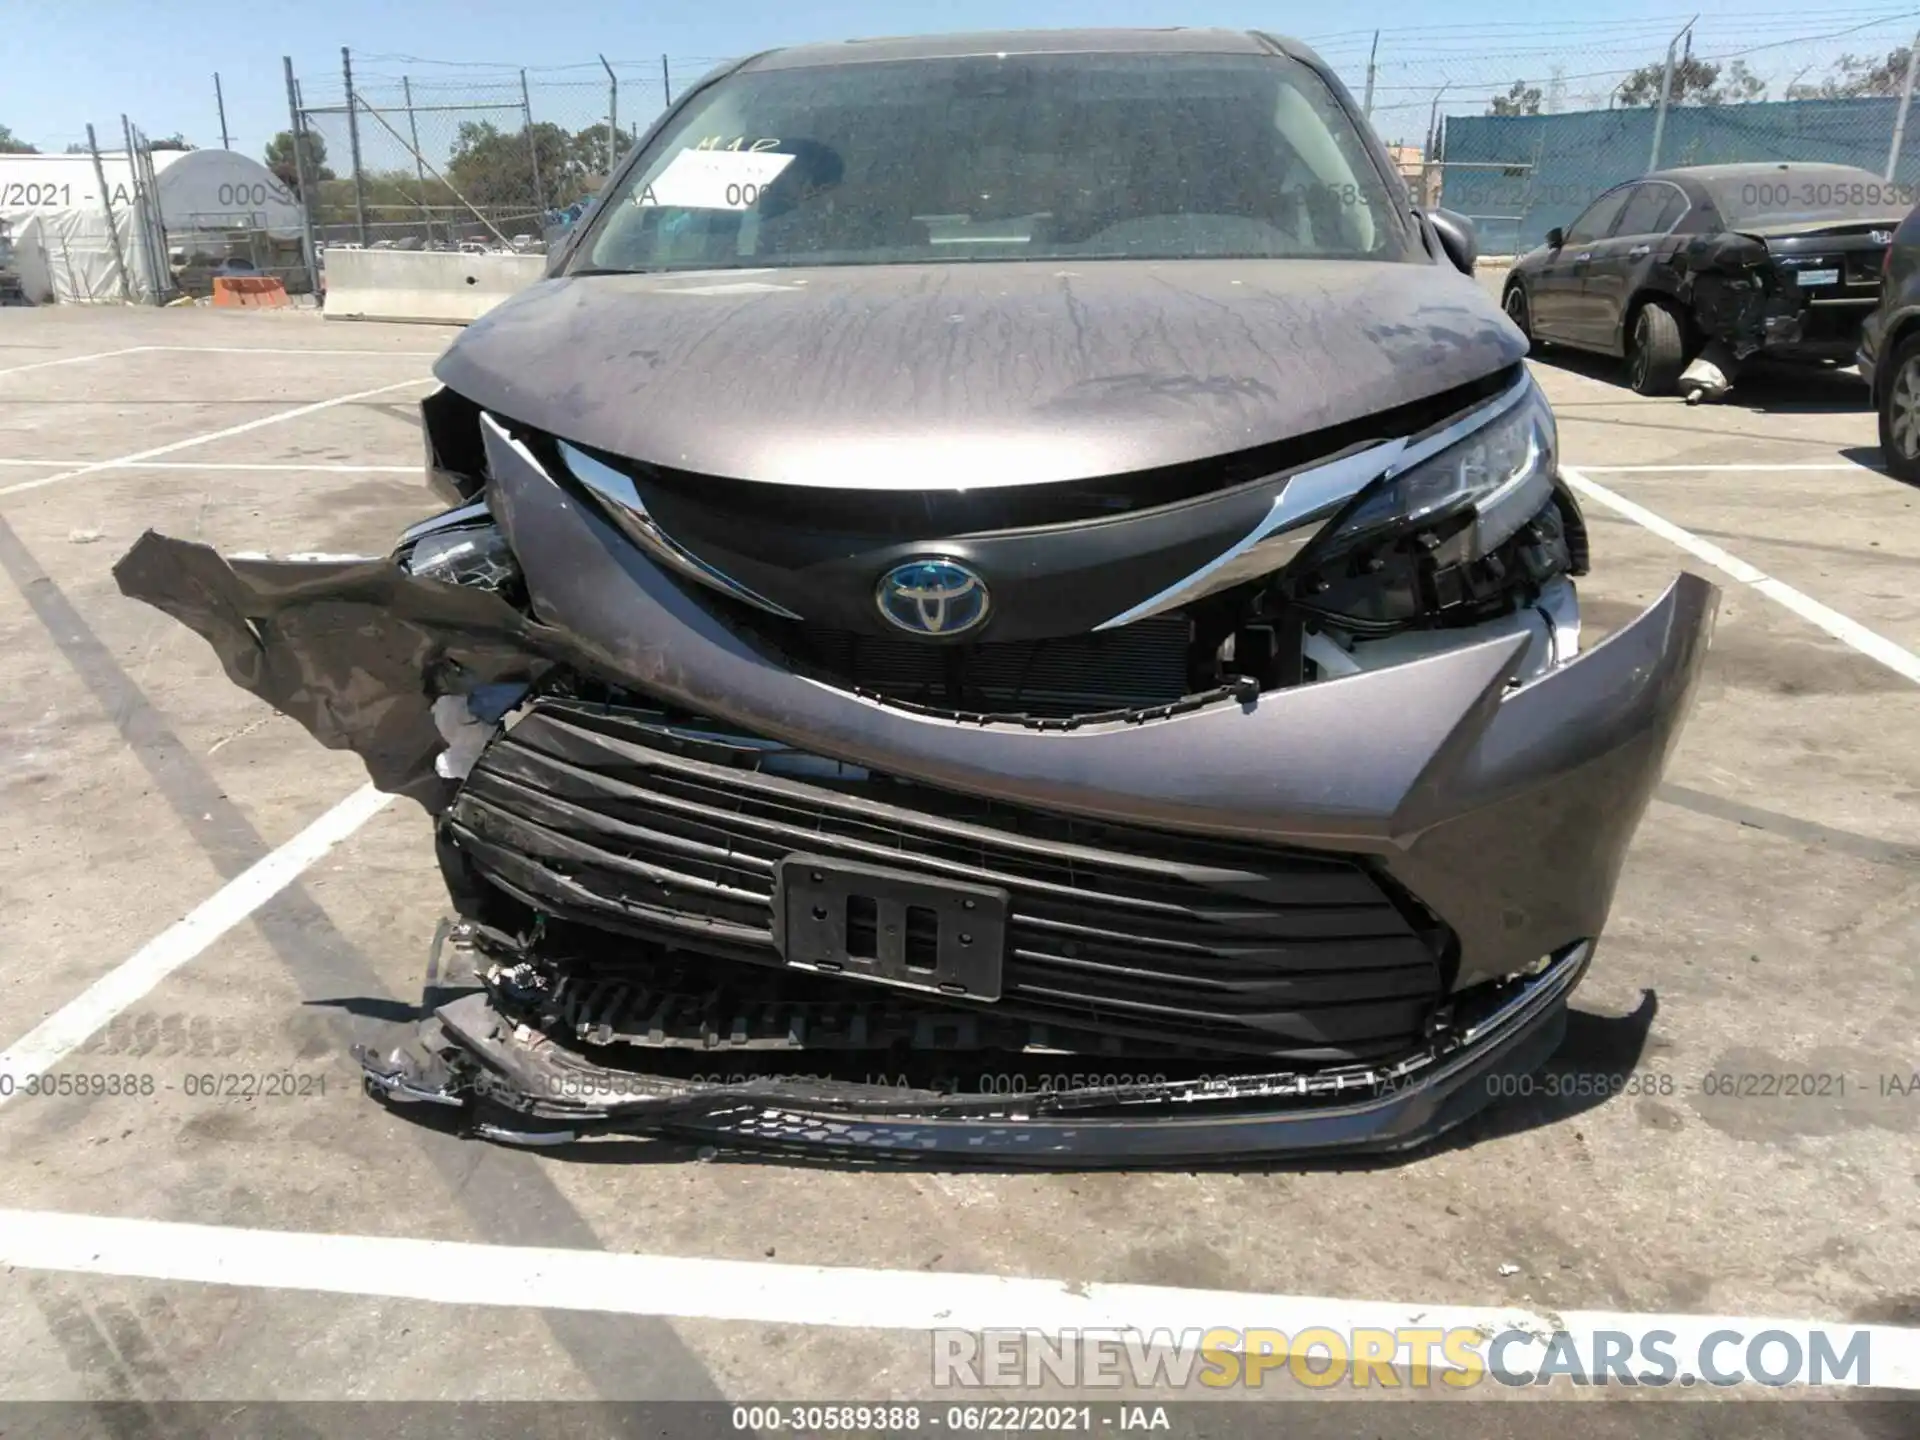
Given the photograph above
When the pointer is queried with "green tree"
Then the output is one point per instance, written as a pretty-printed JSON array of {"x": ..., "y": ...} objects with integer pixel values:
[
  {"x": 1695, "y": 82},
  {"x": 175, "y": 141},
  {"x": 280, "y": 159},
  {"x": 11, "y": 144},
  {"x": 1852, "y": 76},
  {"x": 1738, "y": 86},
  {"x": 493, "y": 168},
  {"x": 1522, "y": 99}
]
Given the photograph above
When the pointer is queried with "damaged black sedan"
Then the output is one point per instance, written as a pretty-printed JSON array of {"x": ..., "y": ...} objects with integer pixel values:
[
  {"x": 1690, "y": 273},
  {"x": 1054, "y": 647}
]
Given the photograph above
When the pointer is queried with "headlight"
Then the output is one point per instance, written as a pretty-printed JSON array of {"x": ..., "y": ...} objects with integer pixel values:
[{"x": 1503, "y": 471}]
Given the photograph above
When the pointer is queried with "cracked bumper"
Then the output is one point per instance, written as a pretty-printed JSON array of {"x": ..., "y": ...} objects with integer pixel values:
[
  {"x": 1504, "y": 811},
  {"x": 514, "y": 1087}
]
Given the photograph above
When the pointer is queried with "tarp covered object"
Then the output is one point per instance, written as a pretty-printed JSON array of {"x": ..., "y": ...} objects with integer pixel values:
[{"x": 66, "y": 255}]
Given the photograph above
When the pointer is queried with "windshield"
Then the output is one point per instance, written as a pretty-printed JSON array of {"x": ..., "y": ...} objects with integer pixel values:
[
  {"x": 1054, "y": 157},
  {"x": 1830, "y": 195}
]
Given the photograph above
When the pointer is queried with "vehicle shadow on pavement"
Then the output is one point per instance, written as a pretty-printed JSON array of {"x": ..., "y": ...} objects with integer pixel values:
[
  {"x": 1770, "y": 387},
  {"x": 1596, "y": 1060},
  {"x": 1872, "y": 457}
]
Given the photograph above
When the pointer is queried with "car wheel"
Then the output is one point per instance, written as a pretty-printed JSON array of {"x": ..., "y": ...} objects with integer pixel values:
[
  {"x": 1657, "y": 352},
  {"x": 1900, "y": 413},
  {"x": 1519, "y": 312}
]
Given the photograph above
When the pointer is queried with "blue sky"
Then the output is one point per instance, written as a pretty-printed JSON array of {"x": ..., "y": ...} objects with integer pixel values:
[{"x": 70, "y": 64}]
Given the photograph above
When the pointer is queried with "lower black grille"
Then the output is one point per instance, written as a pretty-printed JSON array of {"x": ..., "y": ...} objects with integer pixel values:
[
  {"x": 1135, "y": 666},
  {"x": 618, "y": 820}
]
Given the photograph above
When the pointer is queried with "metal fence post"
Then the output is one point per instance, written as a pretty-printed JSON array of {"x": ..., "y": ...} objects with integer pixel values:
[
  {"x": 146, "y": 210},
  {"x": 308, "y": 199},
  {"x": 613, "y": 115},
  {"x": 353, "y": 146},
  {"x": 1900, "y": 117},
  {"x": 106, "y": 203},
  {"x": 1666, "y": 94},
  {"x": 419, "y": 165},
  {"x": 533, "y": 146}
]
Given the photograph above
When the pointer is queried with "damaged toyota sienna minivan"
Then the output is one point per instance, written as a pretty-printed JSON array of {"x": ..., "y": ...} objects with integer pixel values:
[{"x": 1004, "y": 598}]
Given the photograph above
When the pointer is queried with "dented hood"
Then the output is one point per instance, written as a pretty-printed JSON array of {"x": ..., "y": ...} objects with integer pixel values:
[{"x": 973, "y": 374}]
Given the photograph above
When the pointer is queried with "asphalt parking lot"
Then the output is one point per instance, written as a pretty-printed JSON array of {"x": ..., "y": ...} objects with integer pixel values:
[{"x": 1766, "y": 926}]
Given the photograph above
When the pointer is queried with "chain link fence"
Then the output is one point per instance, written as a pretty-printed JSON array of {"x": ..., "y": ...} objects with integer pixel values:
[
  {"x": 481, "y": 157},
  {"x": 1518, "y": 124}
]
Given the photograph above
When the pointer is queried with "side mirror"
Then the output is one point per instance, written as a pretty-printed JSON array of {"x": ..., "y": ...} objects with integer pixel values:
[
  {"x": 1556, "y": 237},
  {"x": 1458, "y": 238}
]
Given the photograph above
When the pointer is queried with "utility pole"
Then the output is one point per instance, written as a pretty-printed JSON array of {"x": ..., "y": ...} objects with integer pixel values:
[
  {"x": 1367, "y": 105},
  {"x": 666, "y": 82},
  {"x": 353, "y": 145},
  {"x": 613, "y": 116},
  {"x": 533, "y": 146},
  {"x": 1900, "y": 118},
  {"x": 220, "y": 103},
  {"x": 1666, "y": 92}
]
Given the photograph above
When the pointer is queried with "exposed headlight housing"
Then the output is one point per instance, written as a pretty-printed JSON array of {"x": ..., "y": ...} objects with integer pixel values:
[{"x": 1502, "y": 471}]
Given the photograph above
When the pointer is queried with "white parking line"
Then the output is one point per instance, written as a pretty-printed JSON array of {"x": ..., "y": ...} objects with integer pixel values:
[
  {"x": 267, "y": 350},
  {"x": 68, "y": 1027},
  {"x": 275, "y": 419},
  {"x": 1822, "y": 466},
  {"x": 293, "y": 467},
  {"x": 758, "y": 1292},
  {"x": 72, "y": 360},
  {"x": 1874, "y": 646},
  {"x": 212, "y": 350}
]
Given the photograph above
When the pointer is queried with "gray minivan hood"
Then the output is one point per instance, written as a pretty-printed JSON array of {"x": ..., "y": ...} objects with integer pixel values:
[{"x": 973, "y": 374}]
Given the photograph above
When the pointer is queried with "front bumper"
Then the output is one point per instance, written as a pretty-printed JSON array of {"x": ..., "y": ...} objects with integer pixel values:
[
  {"x": 1494, "y": 815},
  {"x": 1507, "y": 812},
  {"x": 511, "y": 1085}
]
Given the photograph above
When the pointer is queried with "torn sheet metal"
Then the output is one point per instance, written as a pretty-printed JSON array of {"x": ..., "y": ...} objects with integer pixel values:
[{"x": 357, "y": 650}]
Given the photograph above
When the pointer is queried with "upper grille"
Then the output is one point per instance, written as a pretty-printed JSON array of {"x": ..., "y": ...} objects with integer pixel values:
[{"x": 614, "y": 819}]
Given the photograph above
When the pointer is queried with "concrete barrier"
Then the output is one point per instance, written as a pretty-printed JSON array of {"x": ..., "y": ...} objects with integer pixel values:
[{"x": 433, "y": 286}]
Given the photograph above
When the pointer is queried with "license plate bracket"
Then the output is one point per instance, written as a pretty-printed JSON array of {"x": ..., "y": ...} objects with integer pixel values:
[{"x": 867, "y": 922}]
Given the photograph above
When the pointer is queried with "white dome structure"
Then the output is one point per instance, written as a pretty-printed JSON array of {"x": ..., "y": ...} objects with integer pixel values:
[{"x": 222, "y": 190}]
